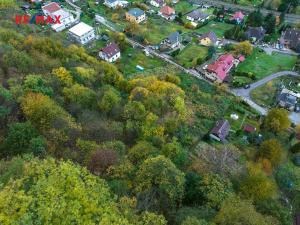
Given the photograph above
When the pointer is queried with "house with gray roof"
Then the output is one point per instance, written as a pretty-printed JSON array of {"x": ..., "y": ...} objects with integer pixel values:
[
  {"x": 220, "y": 130},
  {"x": 173, "y": 40},
  {"x": 197, "y": 16},
  {"x": 287, "y": 100},
  {"x": 255, "y": 34},
  {"x": 208, "y": 39},
  {"x": 291, "y": 38}
]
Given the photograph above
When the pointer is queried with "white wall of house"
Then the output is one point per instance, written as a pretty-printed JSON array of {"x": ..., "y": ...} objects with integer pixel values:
[{"x": 111, "y": 59}]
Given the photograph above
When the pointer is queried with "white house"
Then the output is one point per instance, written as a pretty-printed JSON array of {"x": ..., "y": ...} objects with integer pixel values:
[
  {"x": 54, "y": 10},
  {"x": 116, "y": 3},
  {"x": 82, "y": 33},
  {"x": 157, "y": 3},
  {"x": 197, "y": 16},
  {"x": 110, "y": 53}
]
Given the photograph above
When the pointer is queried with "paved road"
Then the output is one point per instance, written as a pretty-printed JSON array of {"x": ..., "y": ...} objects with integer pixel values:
[
  {"x": 290, "y": 18},
  {"x": 245, "y": 94}
]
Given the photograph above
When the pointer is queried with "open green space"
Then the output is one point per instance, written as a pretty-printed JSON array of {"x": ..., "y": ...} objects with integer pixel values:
[
  {"x": 190, "y": 54},
  {"x": 184, "y": 7},
  {"x": 262, "y": 65},
  {"x": 218, "y": 27}
]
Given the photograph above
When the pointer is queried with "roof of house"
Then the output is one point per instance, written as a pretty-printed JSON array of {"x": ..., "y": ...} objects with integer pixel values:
[
  {"x": 174, "y": 37},
  {"x": 211, "y": 35},
  {"x": 197, "y": 15},
  {"x": 249, "y": 128},
  {"x": 292, "y": 35},
  {"x": 297, "y": 219},
  {"x": 221, "y": 129},
  {"x": 167, "y": 10},
  {"x": 221, "y": 66},
  {"x": 255, "y": 32},
  {"x": 237, "y": 15},
  {"x": 287, "y": 99},
  {"x": 136, "y": 12},
  {"x": 110, "y": 50},
  {"x": 160, "y": 2},
  {"x": 62, "y": 13},
  {"x": 81, "y": 29},
  {"x": 51, "y": 7}
]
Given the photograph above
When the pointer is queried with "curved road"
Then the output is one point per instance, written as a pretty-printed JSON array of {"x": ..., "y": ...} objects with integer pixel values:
[{"x": 245, "y": 94}]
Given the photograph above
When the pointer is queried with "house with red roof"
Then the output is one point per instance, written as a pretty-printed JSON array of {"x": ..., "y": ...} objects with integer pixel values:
[
  {"x": 54, "y": 11},
  {"x": 167, "y": 12},
  {"x": 221, "y": 67},
  {"x": 110, "y": 53},
  {"x": 238, "y": 17}
]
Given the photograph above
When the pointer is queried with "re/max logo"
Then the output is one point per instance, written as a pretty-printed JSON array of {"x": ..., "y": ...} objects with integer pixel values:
[{"x": 38, "y": 19}]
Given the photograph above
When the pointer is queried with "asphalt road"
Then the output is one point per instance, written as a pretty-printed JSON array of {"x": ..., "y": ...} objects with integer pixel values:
[{"x": 289, "y": 18}]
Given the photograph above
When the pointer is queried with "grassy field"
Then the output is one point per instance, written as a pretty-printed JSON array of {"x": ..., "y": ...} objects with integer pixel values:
[
  {"x": 184, "y": 7},
  {"x": 262, "y": 65},
  {"x": 217, "y": 27},
  {"x": 156, "y": 29},
  {"x": 189, "y": 55}
]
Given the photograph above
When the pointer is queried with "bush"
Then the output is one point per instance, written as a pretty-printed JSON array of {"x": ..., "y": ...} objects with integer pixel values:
[{"x": 295, "y": 148}]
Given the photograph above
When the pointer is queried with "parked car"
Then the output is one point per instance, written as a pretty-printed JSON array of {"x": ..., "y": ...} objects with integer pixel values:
[
  {"x": 297, "y": 108},
  {"x": 247, "y": 86}
]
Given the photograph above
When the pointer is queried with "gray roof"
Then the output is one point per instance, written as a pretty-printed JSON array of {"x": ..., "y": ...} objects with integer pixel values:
[
  {"x": 221, "y": 129},
  {"x": 174, "y": 37},
  {"x": 136, "y": 12},
  {"x": 197, "y": 15},
  {"x": 292, "y": 36},
  {"x": 255, "y": 32},
  {"x": 111, "y": 1},
  {"x": 211, "y": 35},
  {"x": 287, "y": 99}
]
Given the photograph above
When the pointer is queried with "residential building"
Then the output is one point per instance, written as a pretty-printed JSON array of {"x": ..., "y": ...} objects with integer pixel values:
[
  {"x": 237, "y": 17},
  {"x": 197, "y": 16},
  {"x": 220, "y": 131},
  {"x": 255, "y": 34},
  {"x": 167, "y": 12},
  {"x": 135, "y": 15},
  {"x": 208, "y": 39},
  {"x": 157, "y": 3},
  {"x": 82, "y": 33},
  {"x": 219, "y": 70},
  {"x": 54, "y": 10},
  {"x": 110, "y": 53},
  {"x": 173, "y": 40},
  {"x": 287, "y": 99},
  {"x": 113, "y": 4},
  {"x": 291, "y": 38}
]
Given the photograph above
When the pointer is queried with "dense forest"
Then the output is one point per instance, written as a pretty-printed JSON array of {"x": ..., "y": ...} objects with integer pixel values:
[{"x": 82, "y": 144}]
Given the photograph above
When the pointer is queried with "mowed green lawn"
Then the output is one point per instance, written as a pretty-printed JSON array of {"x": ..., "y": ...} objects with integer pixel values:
[
  {"x": 184, "y": 7},
  {"x": 189, "y": 55},
  {"x": 157, "y": 29},
  {"x": 262, "y": 65},
  {"x": 218, "y": 27}
]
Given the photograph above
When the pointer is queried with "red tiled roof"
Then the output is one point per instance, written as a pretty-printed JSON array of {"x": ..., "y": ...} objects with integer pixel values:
[
  {"x": 221, "y": 66},
  {"x": 167, "y": 10},
  {"x": 51, "y": 7},
  {"x": 238, "y": 15},
  {"x": 111, "y": 49},
  {"x": 249, "y": 128}
]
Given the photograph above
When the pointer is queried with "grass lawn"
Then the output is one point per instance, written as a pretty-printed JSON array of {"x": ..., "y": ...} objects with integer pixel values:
[
  {"x": 184, "y": 7},
  {"x": 218, "y": 27},
  {"x": 131, "y": 57},
  {"x": 189, "y": 55},
  {"x": 262, "y": 65},
  {"x": 156, "y": 29}
]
